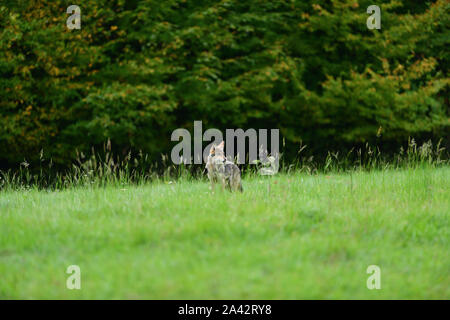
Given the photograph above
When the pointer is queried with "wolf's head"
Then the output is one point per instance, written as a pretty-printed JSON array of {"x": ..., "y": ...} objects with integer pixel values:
[{"x": 217, "y": 150}]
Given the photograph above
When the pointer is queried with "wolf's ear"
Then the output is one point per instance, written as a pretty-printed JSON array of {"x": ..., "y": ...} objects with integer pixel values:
[{"x": 221, "y": 145}]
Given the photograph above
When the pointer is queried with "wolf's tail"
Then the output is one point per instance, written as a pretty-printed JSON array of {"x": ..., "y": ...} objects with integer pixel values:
[{"x": 239, "y": 182}]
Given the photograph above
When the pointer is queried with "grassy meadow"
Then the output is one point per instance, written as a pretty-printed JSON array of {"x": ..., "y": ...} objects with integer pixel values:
[{"x": 290, "y": 236}]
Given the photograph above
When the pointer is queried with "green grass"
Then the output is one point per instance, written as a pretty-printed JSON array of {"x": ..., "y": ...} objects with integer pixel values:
[{"x": 309, "y": 236}]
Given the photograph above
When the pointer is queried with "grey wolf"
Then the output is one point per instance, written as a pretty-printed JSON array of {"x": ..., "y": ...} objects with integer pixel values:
[{"x": 222, "y": 170}]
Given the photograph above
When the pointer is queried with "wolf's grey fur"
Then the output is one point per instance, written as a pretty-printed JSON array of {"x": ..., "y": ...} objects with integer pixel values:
[{"x": 222, "y": 170}]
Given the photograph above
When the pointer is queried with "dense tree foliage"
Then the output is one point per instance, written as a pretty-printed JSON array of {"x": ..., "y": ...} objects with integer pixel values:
[{"x": 136, "y": 70}]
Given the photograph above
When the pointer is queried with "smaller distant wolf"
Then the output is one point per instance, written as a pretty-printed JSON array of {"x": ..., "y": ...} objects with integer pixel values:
[{"x": 222, "y": 170}]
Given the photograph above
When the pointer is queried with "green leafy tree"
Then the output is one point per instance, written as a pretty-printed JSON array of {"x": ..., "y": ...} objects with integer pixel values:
[{"x": 136, "y": 70}]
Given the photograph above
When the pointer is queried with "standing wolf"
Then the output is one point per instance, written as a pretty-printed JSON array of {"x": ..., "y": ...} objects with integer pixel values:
[{"x": 220, "y": 169}]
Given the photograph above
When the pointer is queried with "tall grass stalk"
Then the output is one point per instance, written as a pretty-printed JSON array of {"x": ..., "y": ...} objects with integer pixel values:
[{"x": 102, "y": 169}]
